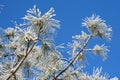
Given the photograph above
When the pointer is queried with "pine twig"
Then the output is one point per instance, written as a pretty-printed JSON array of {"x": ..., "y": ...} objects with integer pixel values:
[
  {"x": 21, "y": 62},
  {"x": 73, "y": 60}
]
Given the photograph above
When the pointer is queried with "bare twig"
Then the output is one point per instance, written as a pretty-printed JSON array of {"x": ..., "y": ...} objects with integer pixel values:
[{"x": 73, "y": 60}]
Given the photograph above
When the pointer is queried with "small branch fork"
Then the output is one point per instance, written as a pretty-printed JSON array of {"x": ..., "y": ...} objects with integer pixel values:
[
  {"x": 73, "y": 60},
  {"x": 21, "y": 62}
]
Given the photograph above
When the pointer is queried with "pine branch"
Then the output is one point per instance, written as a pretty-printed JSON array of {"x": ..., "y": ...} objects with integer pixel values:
[
  {"x": 73, "y": 60},
  {"x": 21, "y": 62}
]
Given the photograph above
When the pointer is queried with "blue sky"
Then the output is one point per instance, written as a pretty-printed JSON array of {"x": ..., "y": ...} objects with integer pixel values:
[{"x": 71, "y": 13}]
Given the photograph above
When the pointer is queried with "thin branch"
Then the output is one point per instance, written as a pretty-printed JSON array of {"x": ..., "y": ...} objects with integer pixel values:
[
  {"x": 28, "y": 72},
  {"x": 7, "y": 55},
  {"x": 54, "y": 78},
  {"x": 88, "y": 49},
  {"x": 21, "y": 62},
  {"x": 68, "y": 62},
  {"x": 73, "y": 60}
]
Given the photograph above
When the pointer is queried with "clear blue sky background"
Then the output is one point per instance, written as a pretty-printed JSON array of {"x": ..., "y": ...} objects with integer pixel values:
[{"x": 71, "y": 13}]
